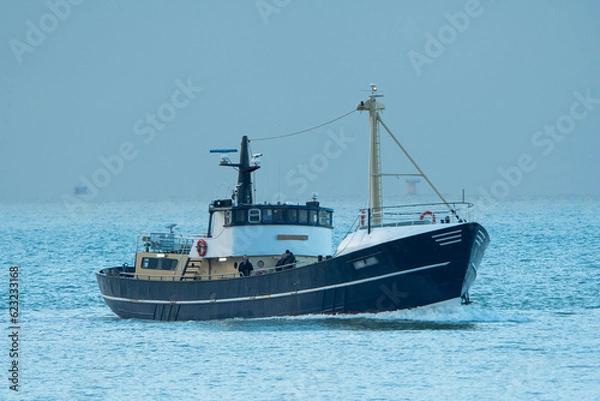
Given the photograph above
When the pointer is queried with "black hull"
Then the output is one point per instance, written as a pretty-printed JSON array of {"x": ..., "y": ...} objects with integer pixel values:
[{"x": 405, "y": 273}]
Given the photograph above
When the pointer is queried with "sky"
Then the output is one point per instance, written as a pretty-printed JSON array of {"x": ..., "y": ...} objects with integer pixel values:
[{"x": 500, "y": 98}]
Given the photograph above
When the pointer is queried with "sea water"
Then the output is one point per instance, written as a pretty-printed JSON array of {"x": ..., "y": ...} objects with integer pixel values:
[{"x": 531, "y": 333}]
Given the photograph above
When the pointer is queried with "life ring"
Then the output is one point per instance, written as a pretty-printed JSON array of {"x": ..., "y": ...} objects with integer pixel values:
[
  {"x": 201, "y": 247},
  {"x": 362, "y": 217},
  {"x": 428, "y": 212}
]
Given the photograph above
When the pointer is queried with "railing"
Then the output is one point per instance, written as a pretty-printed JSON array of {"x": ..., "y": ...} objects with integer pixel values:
[
  {"x": 257, "y": 272},
  {"x": 410, "y": 215},
  {"x": 165, "y": 242},
  {"x": 121, "y": 272},
  {"x": 178, "y": 277},
  {"x": 128, "y": 271}
]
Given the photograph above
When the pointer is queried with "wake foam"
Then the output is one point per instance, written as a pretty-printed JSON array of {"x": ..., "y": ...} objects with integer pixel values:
[{"x": 444, "y": 313}]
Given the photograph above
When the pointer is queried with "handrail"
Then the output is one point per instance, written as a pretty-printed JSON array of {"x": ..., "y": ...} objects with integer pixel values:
[
  {"x": 173, "y": 277},
  {"x": 413, "y": 214},
  {"x": 177, "y": 243},
  {"x": 182, "y": 254},
  {"x": 287, "y": 266}
]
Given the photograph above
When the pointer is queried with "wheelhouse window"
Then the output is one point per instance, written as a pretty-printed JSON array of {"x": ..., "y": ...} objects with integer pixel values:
[
  {"x": 267, "y": 215},
  {"x": 312, "y": 217},
  {"x": 324, "y": 218},
  {"x": 159, "y": 263},
  {"x": 302, "y": 216},
  {"x": 240, "y": 215},
  {"x": 292, "y": 216},
  {"x": 254, "y": 216},
  {"x": 279, "y": 214}
]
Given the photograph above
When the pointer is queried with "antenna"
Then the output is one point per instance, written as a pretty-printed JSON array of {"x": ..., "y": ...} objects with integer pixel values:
[
  {"x": 278, "y": 182},
  {"x": 225, "y": 161},
  {"x": 255, "y": 162}
]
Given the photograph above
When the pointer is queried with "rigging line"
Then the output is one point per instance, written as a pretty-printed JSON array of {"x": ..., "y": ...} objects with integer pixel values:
[
  {"x": 306, "y": 130},
  {"x": 418, "y": 168}
]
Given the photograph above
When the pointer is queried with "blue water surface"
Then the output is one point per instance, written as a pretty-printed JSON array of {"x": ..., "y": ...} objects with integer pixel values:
[{"x": 531, "y": 333}]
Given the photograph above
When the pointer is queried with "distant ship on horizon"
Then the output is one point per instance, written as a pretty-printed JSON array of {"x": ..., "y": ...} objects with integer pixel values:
[
  {"x": 411, "y": 186},
  {"x": 80, "y": 190}
]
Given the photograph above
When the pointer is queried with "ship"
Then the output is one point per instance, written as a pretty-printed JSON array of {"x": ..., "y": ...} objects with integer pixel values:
[
  {"x": 80, "y": 190},
  {"x": 411, "y": 186},
  {"x": 258, "y": 260}
]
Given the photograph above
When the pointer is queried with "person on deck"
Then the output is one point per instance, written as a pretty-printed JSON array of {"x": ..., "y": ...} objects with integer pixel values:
[
  {"x": 286, "y": 261},
  {"x": 245, "y": 267}
]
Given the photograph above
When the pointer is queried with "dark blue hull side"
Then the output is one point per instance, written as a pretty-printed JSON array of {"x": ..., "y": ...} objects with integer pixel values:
[{"x": 405, "y": 273}]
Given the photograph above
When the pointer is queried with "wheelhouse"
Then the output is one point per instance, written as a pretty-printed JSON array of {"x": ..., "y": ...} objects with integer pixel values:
[{"x": 310, "y": 215}]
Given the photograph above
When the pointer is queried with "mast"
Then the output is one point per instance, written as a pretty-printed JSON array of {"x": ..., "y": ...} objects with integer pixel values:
[
  {"x": 244, "y": 186},
  {"x": 375, "y": 188},
  {"x": 243, "y": 192},
  {"x": 375, "y": 193}
]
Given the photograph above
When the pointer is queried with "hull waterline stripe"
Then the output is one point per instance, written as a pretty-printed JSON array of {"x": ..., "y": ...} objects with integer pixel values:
[{"x": 267, "y": 296}]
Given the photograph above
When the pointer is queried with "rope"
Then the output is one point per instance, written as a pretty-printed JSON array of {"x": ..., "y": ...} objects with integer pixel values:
[
  {"x": 422, "y": 174},
  {"x": 305, "y": 130}
]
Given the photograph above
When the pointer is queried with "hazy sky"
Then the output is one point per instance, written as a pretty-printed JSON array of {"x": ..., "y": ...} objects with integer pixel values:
[{"x": 498, "y": 97}]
